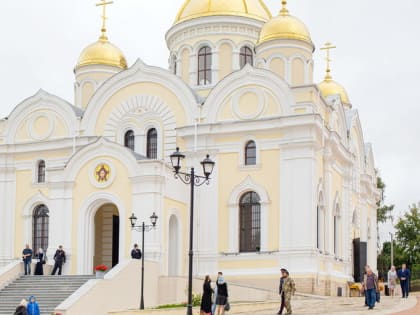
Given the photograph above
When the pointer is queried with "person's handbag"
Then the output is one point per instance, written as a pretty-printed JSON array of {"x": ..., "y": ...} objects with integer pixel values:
[{"x": 227, "y": 306}]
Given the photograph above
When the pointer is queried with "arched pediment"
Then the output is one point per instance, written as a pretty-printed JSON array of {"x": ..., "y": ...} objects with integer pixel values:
[
  {"x": 136, "y": 74},
  {"x": 247, "y": 185},
  {"x": 57, "y": 118},
  {"x": 340, "y": 116},
  {"x": 356, "y": 135},
  {"x": 100, "y": 148},
  {"x": 264, "y": 84}
]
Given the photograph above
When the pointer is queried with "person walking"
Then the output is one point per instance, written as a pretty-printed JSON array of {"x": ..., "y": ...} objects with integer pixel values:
[
  {"x": 21, "y": 308},
  {"x": 404, "y": 276},
  {"x": 222, "y": 295},
  {"x": 213, "y": 307},
  {"x": 206, "y": 303},
  {"x": 136, "y": 252},
  {"x": 370, "y": 285},
  {"x": 289, "y": 289},
  {"x": 59, "y": 260},
  {"x": 39, "y": 267},
  {"x": 281, "y": 293},
  {"x": 27, "y": 259},
  {"x": 392, "y": 280},
  {"x": 33, "y": 307}
]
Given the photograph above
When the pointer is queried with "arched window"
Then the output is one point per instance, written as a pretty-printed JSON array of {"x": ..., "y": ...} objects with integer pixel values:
[
  {"x": 246, "y": 56},
  {"x": 40, "y": 228},
  {"x": 41, "y": 172},
  {"x": 318, "y": 227},
  {"x": 204, "y": 66},
  {"x": 129, "y": 139},
  {"x": 250, "y": 153},
  {"x": 250, "y": 223},
  {"x": 152, "y": 144}
]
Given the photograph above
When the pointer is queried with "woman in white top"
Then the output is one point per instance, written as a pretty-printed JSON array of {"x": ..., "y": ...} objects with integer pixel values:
[{"x": 392, "y": 280}]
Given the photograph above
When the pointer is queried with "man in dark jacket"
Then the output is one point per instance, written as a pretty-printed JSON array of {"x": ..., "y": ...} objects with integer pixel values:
[
  {"x": 404, "y": 276},
  {"x": 60, "y": 259},
  {"x": 27, "y": 259},
  {"x": 136, "y": 252}
]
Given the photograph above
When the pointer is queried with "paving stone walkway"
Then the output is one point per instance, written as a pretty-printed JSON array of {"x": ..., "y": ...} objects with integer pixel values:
[{"x": 311, "y": 306}]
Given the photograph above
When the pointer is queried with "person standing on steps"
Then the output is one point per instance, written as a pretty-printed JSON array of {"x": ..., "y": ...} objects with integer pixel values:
[
  {"x": 21, "y": 309},
  {"x": 60, "y": 259},
  {"x": 27, "y": 259},
  {"x": 136, "y": 252},
  {"x": 39, "y": 267},
  {"x": 281, "y": 292},
  {"x": 33, "y": 307}
]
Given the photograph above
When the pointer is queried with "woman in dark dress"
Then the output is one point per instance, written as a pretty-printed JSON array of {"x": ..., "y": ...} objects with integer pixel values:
[
  {"x": 206, "y": 298},
  {"x": 222, "y": 295},
  {"x": 39, "y": 268}
]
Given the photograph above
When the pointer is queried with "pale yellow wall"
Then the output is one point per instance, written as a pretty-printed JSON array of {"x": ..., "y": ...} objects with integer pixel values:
[
  {"x": 233, "y": 175},
  {"x": 284, "y": 51},
  {"x": 248, "y": 104},
  {"x": 247, "y": 264},
  {"x": 278, "y": 67},
  {"x": 225, "y": 60},
  {"x": 298, "y": 72},
  {"x": 40, "y": 127},
  {"x": 87, "y": 91},
  {"x": 83, "y": 188},
  {"x": 152, "y": 89},
  {"x": 185, "y": 71}
]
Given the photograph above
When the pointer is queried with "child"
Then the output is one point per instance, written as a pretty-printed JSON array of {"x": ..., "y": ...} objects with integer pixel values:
[{"x": 32, "y": 307}]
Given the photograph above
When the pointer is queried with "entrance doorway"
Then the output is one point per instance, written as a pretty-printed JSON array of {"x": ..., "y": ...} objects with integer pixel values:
[{"x": 107, "y": 233}]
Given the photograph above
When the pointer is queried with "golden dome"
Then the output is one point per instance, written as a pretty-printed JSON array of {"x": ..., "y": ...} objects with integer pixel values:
[
  {"x": 102, "y": 52},
  {"x": 330, "y": 87},
  {"x": 285, "y": 26},
  {"x": 254, "y": 9}
]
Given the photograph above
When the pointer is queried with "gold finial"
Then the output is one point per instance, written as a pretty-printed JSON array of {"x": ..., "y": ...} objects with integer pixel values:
[
  {"x": 284, "y": 10},
  {"x": 328, "y": 46},
  {"x": 104, "y": 3}
]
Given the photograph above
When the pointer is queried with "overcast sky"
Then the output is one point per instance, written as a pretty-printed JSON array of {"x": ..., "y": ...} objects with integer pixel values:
[{"x": 377, "y": 59}]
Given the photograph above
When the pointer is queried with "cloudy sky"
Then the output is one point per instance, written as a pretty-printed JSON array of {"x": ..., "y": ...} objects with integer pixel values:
[{"x": 377, "y": 59}]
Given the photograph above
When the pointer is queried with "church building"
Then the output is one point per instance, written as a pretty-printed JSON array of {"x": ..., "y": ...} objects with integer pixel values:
[{"x": 293, "y": 186}]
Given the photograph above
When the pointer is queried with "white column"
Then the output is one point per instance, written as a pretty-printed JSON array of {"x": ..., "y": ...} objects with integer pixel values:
[
  {"x": 298, "y": 197},
  {"x": 329, "y": 195},
  {"x": 7, "y": 211}
]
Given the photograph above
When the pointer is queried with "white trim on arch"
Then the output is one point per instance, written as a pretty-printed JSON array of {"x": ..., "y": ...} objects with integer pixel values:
[
  {"x": 247, "y": 185},
  {"x": 86, "y": 229}
]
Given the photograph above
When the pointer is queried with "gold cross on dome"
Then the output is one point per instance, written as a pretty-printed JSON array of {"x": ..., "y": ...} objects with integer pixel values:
[
  {"x": 328, "y": 46},
  {"x": 103, "y": 4}
]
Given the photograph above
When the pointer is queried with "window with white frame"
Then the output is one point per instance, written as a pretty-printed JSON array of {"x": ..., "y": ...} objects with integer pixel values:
[
  {"x": 250, "y": 222},
  {"x": 204, "y": 66}
]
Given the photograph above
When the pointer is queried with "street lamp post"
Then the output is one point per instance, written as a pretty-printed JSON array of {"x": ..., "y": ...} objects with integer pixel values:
[
  {"x": 143, "y": 227},
  {"x": 193, "y": 180},
  {"x": 392, "y": 249}
]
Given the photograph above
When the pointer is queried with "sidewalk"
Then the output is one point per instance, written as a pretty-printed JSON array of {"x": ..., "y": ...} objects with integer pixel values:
[
  {"x": 308, "y": 306},
  {"x": 413, "y": 311}
]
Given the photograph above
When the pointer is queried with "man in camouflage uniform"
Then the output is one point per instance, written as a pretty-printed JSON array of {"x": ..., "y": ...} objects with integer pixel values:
[{"x": 288, "y": 290}]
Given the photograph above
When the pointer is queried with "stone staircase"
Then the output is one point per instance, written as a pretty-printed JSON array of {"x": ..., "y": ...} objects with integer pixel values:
[{"x": 49, "y": 291}]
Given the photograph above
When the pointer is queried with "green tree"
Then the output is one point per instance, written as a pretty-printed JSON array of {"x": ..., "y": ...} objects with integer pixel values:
[
  {"x": 408, "y": 234},
  {"x": 384, "y": 258},
  {"x": 384, "y": 212}
]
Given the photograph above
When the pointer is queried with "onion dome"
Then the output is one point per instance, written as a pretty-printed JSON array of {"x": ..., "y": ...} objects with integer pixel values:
[
  {"x": 102, "y": 52},
  {"x": 254, "y": 9},
  {"x": 330, "y": 87},
  {"x": 285, "y": 26}
]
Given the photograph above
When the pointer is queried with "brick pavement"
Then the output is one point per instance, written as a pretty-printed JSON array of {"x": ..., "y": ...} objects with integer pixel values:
[{"x": 412, "y": 311}]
